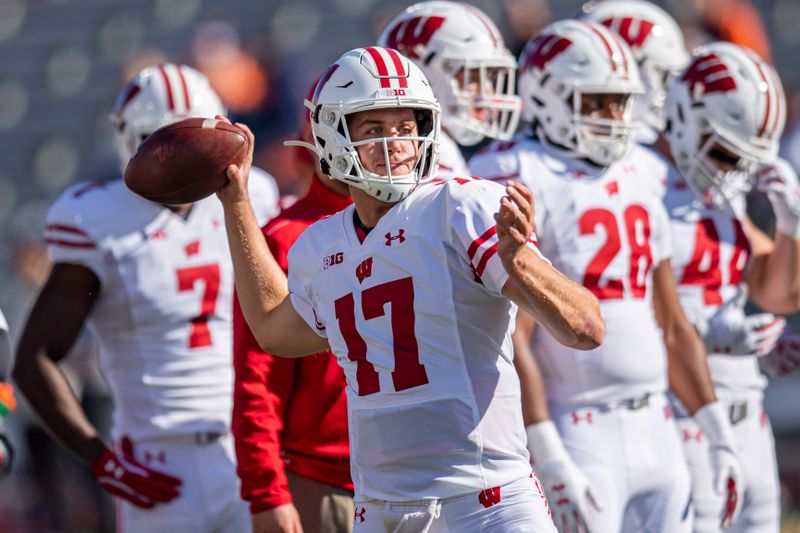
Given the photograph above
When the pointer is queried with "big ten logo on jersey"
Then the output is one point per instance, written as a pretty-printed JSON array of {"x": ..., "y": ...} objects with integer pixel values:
[
  {"x": 704, "y": 267},
  {"x": 333, "y": 259},
  {"x": 708, "y": 74},
  {"x": 636, "y": 230},
  {"x": 364, "y": 269}
]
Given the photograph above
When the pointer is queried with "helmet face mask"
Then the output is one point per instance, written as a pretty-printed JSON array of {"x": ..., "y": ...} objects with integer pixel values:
[
  {"x": 462, "y": 54},
  {"x": 356, "y": 83},
  {"x": 157, "y": 96},
  {"x": 725, "y": 113},
  {"x": 570, "y": 64}
]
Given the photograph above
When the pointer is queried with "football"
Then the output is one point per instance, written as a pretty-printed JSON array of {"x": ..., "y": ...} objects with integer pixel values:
[{"x": 185, "y": 161}]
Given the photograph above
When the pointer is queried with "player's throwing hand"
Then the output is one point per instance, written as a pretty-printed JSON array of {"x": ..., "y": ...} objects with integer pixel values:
[{"x": 236, "y": 189}]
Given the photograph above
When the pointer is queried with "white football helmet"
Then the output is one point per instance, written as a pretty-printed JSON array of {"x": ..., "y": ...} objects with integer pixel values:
[
  {"x": 361, "y": 80},
  {"x": 159, "y": 95},
  {"x": 450, "y": 41},
  {"x": 570, "y": 59},
  {"x": 656, "y": 42},
  {"x": 728, "y": 98}
]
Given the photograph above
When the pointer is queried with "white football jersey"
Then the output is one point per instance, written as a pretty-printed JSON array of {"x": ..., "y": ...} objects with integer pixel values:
[
  {"x": 606, "y": 229},
  {"x": 416, "y": 318},
  {"x": 162, "y": 320},
  {"x": 451, "y": 162},
  {"x": 711, "y": 253}
]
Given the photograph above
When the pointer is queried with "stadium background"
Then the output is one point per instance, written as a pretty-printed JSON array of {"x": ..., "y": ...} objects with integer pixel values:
[{"x": 61, "y": 65}]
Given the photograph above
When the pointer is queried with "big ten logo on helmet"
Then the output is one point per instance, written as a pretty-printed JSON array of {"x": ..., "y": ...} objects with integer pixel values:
[
  {"x": 395, "y": 92},
  {"x": 408, "y": 34},
  {"x": 708, "y": 74},
  {"x": 333, "y": 259},
  {"x": 634, "y": 31},
  {"x": 541, "y": 51}
]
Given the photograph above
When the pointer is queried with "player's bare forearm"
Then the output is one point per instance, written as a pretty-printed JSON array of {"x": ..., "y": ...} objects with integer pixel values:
[
  {"x": 687, "y": 366},
  {"x": 262, "y": 289},
  {"x": 774, "y": 277},
  {"x": 47, "y": 390},
  {"x": 534, "y": 397},
  {"x": 54, "y": 323},
  {"x": 566, "y": 309},
  {"x": 260, "y": 282}
]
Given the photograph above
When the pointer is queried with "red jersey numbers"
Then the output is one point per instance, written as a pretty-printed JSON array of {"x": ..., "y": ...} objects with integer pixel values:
[
  {"x": 399, "y": 294},
  {"x": 704, "y": 269},
  {"x": 200, "y": 334},
  {"x": 637, "y": 232}
]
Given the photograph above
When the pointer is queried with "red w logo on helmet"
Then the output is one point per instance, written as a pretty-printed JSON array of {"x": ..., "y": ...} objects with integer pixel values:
[
  {"x": 407, "y": 34},
  {"x": 625, "y": 28},
  {"x": 709, "y": 72},
  {"x": 539, "y": 52}
]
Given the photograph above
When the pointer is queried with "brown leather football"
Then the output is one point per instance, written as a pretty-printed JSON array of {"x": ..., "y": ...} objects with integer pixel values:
[{"x": 185, "y": 161}]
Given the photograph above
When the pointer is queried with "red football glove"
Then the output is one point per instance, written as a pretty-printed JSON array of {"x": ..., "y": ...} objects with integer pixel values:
[{"x": 123, "y": 476}]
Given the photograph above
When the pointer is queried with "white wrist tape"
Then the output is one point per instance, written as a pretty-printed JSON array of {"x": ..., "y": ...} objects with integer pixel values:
[
  {"x": 715, "y": 425},
  {"x": 544, "y": 443}
]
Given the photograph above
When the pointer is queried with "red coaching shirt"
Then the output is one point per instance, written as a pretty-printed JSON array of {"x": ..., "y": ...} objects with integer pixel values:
[{"x": 288, "y": 414}]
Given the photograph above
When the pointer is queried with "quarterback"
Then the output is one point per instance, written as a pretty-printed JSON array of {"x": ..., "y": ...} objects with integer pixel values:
[{"x": 414, "y": 288}]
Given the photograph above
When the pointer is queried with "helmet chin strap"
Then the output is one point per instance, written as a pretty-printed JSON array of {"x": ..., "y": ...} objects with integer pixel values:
[{"x": 303, "y": 144}]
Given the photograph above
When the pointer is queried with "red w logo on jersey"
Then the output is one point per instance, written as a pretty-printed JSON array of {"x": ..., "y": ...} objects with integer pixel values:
[
  {"x": 406, "y": 35},
  {"x": 541, "y": 51},
  {"x": 709, "y": 72},
  {"x": 625, "y": 28}
]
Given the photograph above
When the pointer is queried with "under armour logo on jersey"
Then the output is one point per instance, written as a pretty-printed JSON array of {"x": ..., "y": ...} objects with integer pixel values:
[
  {"x": 364, "y": 269},
  {"x": 408, "y": 34},
  {"x": 634, "y": 31},
  {"x": 577, "y": 418},
  {"x": 333, "y": 259},
  {"x": 541, "y": 51},
  {"x": 689, "y": 435},
  {"x": 612, "y": 188},
  {"x": 359, "y": 514},
  {"x": 193, "y": 248},
  {"x": 489, "y": 497},
  {"x": 399, "y": 237},
  {"x": 158, "y": 235},
  {"x": 708, "y": 74}
]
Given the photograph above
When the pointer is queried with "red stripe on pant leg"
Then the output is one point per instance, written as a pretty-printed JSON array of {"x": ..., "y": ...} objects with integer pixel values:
[
  {"x": 380, "y": 64},
  {"x": 185, "y": 88},
  {"x": 168, "y": 87},
  {"x": 398, "y": 65}
]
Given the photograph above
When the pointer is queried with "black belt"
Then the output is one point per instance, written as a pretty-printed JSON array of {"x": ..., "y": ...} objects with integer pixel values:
[
  {"x": 630, "y": 404},
  {"x": 201, "y": 438}
]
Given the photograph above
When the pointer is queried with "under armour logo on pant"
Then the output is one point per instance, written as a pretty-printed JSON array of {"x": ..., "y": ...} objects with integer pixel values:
[
  {"x": 489, "y": 497},
  {"x": 359, "y": 514},
  {"x": 576, "y": 417}
]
